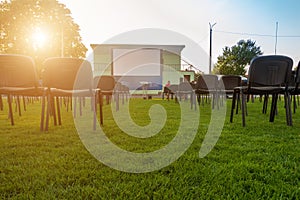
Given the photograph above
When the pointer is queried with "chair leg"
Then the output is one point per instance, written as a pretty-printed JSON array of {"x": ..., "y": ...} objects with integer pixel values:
[
  {"x": 75, "y": 107},
  {"x": 19, "y": 105},
  {"x": 52, "y": 109},
  {"x": 24, "y": 103},
  {"x": 246, "y": 108},
  {"x": 243, "y": 109},
  {"x": 67, "y": 102},
  {"x": 294, "y": 104},
  {"x": 94, "y": 110},
  {"x": 48, "y": 110},
  {"x": 42, "y": 114},
  {"x": 265, "y": 104},
  {"x": 195, "y": 100},
  {"x": 100, "y": 107},
  {"x": 273, "y": 107},
  {"x": 233, "y": 105},
  {"x": 124, "y": 96},
  {"x": 10, "y": 112},
  {"x": 58, "y": 111},
  {"x": 198, "y": 99},
  {"x": 1, "y": 102},
  {"x": 238, "y": 103},
  {"x": 288, "y": 109},
  {"x": 83, "y": 101},
  {"x": 117, "y": 101},
  {"x": 107, "y": 99},
  {"x": 217, "y": 99},
  {"x": 81, "y": 104}
]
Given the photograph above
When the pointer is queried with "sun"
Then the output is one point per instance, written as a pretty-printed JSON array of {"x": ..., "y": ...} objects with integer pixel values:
[{"x": 39, "y": 38}]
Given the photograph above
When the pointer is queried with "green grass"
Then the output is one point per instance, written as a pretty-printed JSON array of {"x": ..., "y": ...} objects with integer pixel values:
[{"x": 259, "y": 161}]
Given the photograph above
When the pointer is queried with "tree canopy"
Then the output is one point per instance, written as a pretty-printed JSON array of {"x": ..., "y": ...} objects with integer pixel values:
[
  {"x": 235, "y": 59},
  {"x": 40, "y": 29}
]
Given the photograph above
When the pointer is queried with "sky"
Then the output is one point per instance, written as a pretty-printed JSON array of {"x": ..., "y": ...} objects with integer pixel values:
[{"x": 101, "y": 20}]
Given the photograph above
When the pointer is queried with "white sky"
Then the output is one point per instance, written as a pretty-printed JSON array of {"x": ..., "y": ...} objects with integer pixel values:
[{"x": 99, "y": 20}]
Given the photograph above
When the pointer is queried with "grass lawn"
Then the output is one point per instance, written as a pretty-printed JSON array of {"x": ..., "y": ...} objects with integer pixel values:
[{"x": 259, "y": 161}]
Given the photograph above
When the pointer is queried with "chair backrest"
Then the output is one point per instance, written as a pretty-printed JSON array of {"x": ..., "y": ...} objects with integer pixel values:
[
  {"x": 173, "y": 88},
  {"x": 105, "y": 83},
  {"x": 230, "y": 81},
  {"x": 17, "y": 71},
  {"x": 185, "y": 86},
  {"x": 67, "y": 73},
  {"x": 207, "y": 82},
  {"x": 297, "y": 75},
  {"x": 271, "y": 70}
]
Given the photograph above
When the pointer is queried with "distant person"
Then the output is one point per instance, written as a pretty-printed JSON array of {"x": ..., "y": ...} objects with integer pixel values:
[
  {"x": 166, "y": 90},
  {"x": 168, "y": 84}
]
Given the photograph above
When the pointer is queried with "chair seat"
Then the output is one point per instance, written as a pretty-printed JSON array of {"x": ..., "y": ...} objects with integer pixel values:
[
  {"x": 61, "y": 92},
  {"x": 294, "y": 90},
  {"x": 107, "y": 92},
  {"x": 28, "y": 91},
  {"x": 204, "y": 91},
  {"x": 260, "y": 90}
]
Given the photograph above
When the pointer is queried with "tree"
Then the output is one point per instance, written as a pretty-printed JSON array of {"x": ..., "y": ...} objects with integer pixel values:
[
  {"x": 235, "y": 59},
  {"x": 40, "y": 29}
]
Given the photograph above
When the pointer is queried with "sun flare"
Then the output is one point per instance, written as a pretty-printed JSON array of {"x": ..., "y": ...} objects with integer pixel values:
[{"x": 39, "y": 38}]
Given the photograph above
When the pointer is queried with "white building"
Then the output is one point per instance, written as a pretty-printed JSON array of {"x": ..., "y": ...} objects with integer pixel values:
[{"x": 133, "y": 64}]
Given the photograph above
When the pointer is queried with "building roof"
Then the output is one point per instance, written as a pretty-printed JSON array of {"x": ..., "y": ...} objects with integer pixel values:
[{"x": 104, "y": 47}]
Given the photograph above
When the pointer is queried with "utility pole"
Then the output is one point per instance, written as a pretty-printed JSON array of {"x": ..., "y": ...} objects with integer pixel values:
[
  {"x": 210, "y": 45},
  {"x": 276, "y": 38}
]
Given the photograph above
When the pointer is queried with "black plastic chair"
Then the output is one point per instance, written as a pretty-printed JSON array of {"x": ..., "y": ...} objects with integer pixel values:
[
  {"x": 207, "y": 86},
  {"x": 295, "y": 89},
  {"x": 106, "y": 84},
  {"x": 227, "y": 83},
  {"x": 170, "y": 91},
  {"x": 186, "y": 90},
  {"x": 18, "y": 77},
  {"x": 268, "y": 75},
  {"x": 68, "y": 78}
]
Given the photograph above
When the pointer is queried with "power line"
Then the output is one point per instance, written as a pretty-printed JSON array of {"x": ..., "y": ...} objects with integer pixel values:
[{"x": 255, "y": 34}]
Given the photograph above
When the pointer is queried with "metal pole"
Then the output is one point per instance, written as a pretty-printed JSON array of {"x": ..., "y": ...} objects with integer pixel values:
[
  {"x": 276, "y": 38},
  {"x": 210, "y": 46}
]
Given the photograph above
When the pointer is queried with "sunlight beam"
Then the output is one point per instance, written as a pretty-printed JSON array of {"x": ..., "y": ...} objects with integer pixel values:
[{"x": 39, "y": 38}]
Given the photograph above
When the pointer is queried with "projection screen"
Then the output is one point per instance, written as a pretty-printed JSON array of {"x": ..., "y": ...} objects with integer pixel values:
[{"x": 134, "y": 66}]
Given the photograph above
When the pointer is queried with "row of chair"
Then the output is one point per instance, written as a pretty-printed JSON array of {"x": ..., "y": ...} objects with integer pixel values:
[
  {"x": 72, "y": 77},
  {"x": 62, "y": 78},
  {"x": 206, "y": 87},
  {"x": 269, "y": 75}
]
